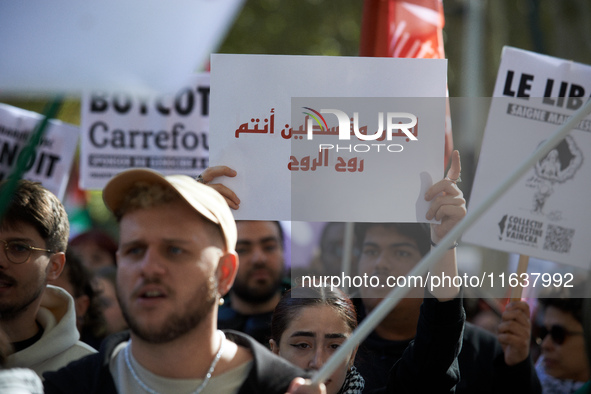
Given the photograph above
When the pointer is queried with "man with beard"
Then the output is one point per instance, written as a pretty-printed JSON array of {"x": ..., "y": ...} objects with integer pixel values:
[
  {"x": 39, "y": 320},
  {"x": 259, "y": 282},
  {"x": 176, "y": 259}
]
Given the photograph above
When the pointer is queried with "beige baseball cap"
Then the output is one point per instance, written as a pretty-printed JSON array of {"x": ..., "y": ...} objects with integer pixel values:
[{"x": 204, "y": 199}]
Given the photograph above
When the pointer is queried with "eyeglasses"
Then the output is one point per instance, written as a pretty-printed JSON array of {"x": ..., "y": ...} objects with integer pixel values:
[
  {"x": 557, "y": 333},
  {"x": 18, "y": 252}
]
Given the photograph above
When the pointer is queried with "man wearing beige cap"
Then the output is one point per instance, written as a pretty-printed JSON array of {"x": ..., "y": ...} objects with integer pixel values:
[{"x": 176, "y": 259}]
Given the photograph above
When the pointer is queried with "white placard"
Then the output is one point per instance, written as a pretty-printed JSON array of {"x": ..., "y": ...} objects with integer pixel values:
[
  {"x": 251, "y": 107},
  {"x": 118, "y": 45},
  {"x": 546, "y": 214},
  {"x": 53, "y": 157},
  {"x": 169, "y": 133}
]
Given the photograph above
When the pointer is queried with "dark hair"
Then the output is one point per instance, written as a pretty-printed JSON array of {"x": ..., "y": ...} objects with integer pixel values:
[
  {"x": 279, "y": 230},
  {"x": 82, "y": 281},
  {"x": 301, "y": 297},
  {"x": 281, "y": 234},
  {"x": 33, "y": 204},
  {"x": 99, "y": 238},
  {"x": 419, "y": 232},
  {"x": 324, "y": 251},
  {"x": 567, "y": 299}
]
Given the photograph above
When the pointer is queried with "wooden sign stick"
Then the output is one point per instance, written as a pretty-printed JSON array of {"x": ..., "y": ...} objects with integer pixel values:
[{"x": 521, "y": 269}]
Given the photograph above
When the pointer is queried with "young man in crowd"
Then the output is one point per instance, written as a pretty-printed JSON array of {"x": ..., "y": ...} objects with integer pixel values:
[
  {"x": 486, "y": 364},
  {"x": 176, "y": 259},
  {"x": 259, "y": 281},
  {"x": 39, "y": 320}
]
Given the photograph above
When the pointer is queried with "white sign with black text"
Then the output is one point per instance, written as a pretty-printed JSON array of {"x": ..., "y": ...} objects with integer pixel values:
[
  {"x": 547, "y": 213},
  {"x": 53, "y": 157},
  {"x": 169, "y": 134},
  {"x": 328, "y": 138}
]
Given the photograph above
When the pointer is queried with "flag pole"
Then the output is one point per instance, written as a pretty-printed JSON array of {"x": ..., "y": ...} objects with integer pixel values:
[
  {"x": 388, "y": 303},
  {"x": 347, "y": 251}
]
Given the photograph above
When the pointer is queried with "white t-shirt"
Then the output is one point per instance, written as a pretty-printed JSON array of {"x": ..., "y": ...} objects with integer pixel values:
[{"x": 228, "y": 382}]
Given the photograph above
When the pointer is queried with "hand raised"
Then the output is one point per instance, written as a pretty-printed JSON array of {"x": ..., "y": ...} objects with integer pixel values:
[
  {"x": 211, "y": 173},
  {"x": 447, "y": 201}
]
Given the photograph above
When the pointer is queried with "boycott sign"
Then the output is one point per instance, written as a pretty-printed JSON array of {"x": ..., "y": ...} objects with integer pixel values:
[
  {"x": 546, "y": 214},
  {"x": 52, "y": 160},
  {"x": 302, "y": 154},
  {"x": 167, "y": 133}
]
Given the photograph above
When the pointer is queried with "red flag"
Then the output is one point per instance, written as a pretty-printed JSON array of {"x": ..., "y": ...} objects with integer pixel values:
[{"x": 405, "y": 28}]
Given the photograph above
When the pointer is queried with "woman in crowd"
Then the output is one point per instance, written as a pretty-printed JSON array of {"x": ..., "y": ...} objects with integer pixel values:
[
  {"x": 309, "y": 324},
  {"x": 77, "y": 280},
  {"x": 106, "y": 285},
  {"x": 563, "y": 366}
]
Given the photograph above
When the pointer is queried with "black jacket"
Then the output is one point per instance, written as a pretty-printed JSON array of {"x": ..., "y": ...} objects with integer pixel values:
[
  {"x": 91, "y": 375},
  {"x": 481, "y": 364},
  {"x": 429, "y": 364}
]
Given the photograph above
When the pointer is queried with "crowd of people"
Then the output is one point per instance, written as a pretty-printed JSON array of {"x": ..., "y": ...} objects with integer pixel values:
[{"x": 188, "y": 300}]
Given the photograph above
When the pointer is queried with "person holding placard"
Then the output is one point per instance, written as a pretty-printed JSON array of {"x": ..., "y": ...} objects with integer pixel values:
[
  {"x": 175, "y": 260},
  {"x": 482, "y": 358},
  {"x": 486, "y": 364},
  {"x": 432, "y": 362}
]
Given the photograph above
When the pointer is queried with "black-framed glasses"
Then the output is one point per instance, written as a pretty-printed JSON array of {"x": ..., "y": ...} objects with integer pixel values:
[
  {"x": 557, "y": 332},
  {"x": 18, "y": 252}
]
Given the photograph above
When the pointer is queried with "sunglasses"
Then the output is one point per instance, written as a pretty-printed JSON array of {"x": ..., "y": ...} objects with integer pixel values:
[{"x": 557, "y": 333}]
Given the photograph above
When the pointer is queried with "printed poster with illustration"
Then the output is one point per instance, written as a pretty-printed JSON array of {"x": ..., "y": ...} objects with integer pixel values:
[
  {"x": 547, "y": 213},
  {"x": 328, "y": 138}
]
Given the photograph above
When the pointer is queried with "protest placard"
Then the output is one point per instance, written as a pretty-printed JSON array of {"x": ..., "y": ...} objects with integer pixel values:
[
  {"x": 168, "y": 133},
  {"x": 53, "y": 157},
  {"x": 546, "y": 214},
  {"x": 117, "y": 45},
  {"x": 370, "y": 159}
]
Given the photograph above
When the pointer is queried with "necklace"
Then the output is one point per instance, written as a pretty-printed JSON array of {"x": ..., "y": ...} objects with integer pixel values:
[{"x": 201, "y": 386}]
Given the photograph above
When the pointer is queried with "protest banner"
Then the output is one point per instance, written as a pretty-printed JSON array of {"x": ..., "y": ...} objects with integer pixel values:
[
  {"x": 117, "y": 45},
  {"x": 53, "y": 157},
  {"x": 546, "y": 213},
  {"x": 168, "y": 133},
  {"x": 328, "y": 138}
]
